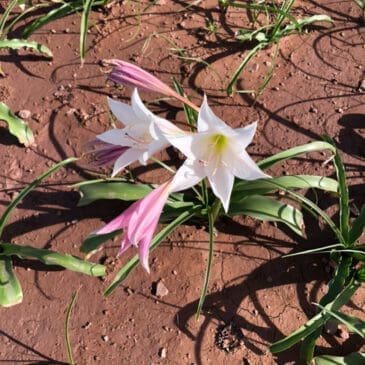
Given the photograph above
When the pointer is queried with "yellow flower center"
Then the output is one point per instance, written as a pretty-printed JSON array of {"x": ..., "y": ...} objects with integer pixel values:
[{"x": 218, "y": 142}]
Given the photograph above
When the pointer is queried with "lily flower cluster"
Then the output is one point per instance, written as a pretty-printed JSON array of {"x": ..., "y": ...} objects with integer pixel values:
[{"x": 216, "y": 152}]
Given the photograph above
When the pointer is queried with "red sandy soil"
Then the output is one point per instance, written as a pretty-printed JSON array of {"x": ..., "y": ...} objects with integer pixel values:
[{"x": 314, "y": 90}]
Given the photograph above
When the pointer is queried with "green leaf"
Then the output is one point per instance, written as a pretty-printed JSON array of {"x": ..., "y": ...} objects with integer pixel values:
[
  {"x": 191, "y": 115},
  {"x": 131, "y": 264},
  {"x": 357, "y": 227},
  {"x": 356, "y": 358},
  {"x": 60, "y": 12},
  {"x": 285, "y": 9},
  {"x": 4, "y": 18},
  {"x": 314, "y": 209},
  {"x": 23, "y": 43},
  {"x": 25, "y": 12},
  {"x": 335, "y": 286},
  {"x": 315, "y": 250},
  {"x": 49, "y": 257},
  {"x": 4, "y": 218},
  {"x": 10, "y": 289},
  {"x": 266, "y": 186},
  {"x": 267, "y": 209},
  {"x": 92, "y": 242},
  {"x": 243, "y": 64},
  {"x": 112, "y": 190},
  {"x": 355, "y": 325},
  {"x": 343, "y": 194},
  {"x": 295, "y": 151},
  {"x": 84, "y": 26},
  {"x": 69, "y": 311},
  {"x": 17, "y": 127},
  {"x": 301, "y": 23},
  {"x": 317, "y": 321}
]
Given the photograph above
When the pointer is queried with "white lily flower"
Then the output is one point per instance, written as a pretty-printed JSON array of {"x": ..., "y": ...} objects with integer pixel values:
[
  {"x": 134, "y": 142},
  {"x": 217, "y": 152}
]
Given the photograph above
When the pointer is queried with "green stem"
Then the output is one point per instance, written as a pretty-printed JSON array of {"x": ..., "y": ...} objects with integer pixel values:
[
  {"x": 209, "y": 263},
  {"x": 162, "y": 164},
  {"x": 205, "y": 194},
  {"x": 216, "y": 207}
]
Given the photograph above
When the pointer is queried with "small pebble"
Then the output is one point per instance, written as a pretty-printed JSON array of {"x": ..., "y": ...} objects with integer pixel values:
[
  {"x": 162, "y": 352},
  {"x": 105, "y": 338},
  {"x": 86, "y": 325},
  {"x": 129, "y": 291},
  {"x": 24, "y": 114},
  {"x": 160, "y": 289},
  {"x": 313, "y": 109}
]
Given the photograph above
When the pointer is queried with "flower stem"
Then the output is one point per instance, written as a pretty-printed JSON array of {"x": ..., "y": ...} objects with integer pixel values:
[
  {"x": 162, "y": 164},
  {"x": 216, "y": 207},
  {"x": 209, "y": 263}
]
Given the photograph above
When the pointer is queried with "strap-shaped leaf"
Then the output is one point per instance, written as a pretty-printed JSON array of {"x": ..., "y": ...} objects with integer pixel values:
[
  {"x": 83, "y": 27},
  {"x": 343, "y": 194},
  {"x": 112, "y": 190},
  {"x": 355, "y": 325},
  {"x": 5, "y": 15},
  {"x": 10, "y": 290},
  {"x": 295, "y": 151},
  {"x": 49, "y": 257},
  {"x": 17, "y": 127},
  {"x": 65, "y": 9},
  {"x": 23, "y": 43},
  {"x": 94, "y": 241},
  {"x": 266, "y": 186},
  {"x": 267, "y": 209},
  {"x": 356, "y": 358},
  {"x": 357, "y": 227}
]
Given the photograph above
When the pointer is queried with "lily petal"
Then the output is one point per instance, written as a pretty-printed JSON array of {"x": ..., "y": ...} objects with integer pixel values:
[
  {"x": 161, "y": 129},
  {"x": 208, "y": 121},
  {"x": 191, "y": 145},
  {"x": 221, "y": 181},
  {"x": 153, "y": 148},
  {"x": 119, "y": 222},
  {"x": 143, "y": 252},
  {"x": 188, "y": 175},
  {"x": 128, "y": 157},
  {"x": 123, "y": 112},
  {"x": 139, "y": 108},
  {"x": 246, "y": 134},
  {"x": 245, "y": 168},
  {"x": 116, "y": 137},
  {"x": 125, "y": 244}
]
